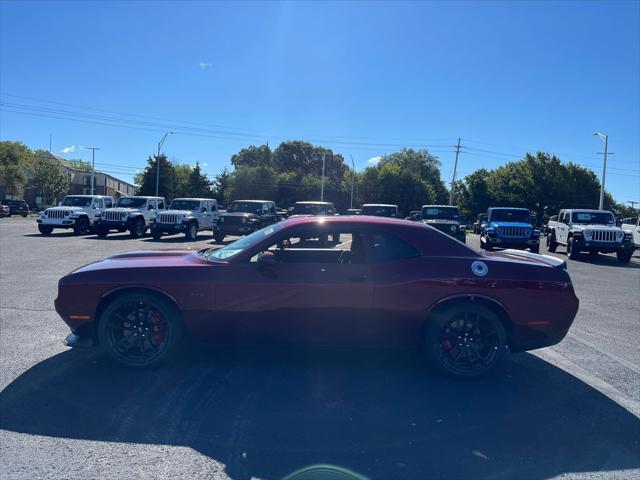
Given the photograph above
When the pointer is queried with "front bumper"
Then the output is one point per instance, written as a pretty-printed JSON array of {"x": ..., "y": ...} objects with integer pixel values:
[
  {"x": 502, "y": 242},
  {"x": 113, "y": 224},
  {"x": 168, "y": 228},
  {"x": 66, "y": 222},
  {"x": 241, "y": 229},
  {"x": 605, "y": 247}
]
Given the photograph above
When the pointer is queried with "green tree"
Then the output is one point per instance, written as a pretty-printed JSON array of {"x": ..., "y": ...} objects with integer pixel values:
[
  {"x": 198, "y": 183},
  {"x": 79, "y": 164},
  {"x": 252, "y": 156},
  {"x": 146, "y": 180},
  {"x": 220, "y": 186},
  {"x": 15, "y": 159},
  {"x": 182, "y": 180},
  {"x": 50, "y": 179}
]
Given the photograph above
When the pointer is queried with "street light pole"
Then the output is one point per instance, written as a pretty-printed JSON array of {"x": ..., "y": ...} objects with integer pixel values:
[
  {"x": 160, "y": 143},
  {"x": 605, "y": 139},
  {"x": 93, "y": 167},
  {"x": 322, "y": 182},
  {"x": 455, "y": 170},
  {"x": 353, "y": 177}
]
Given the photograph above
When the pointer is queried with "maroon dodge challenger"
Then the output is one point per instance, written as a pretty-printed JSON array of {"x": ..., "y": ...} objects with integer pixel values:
[{"x": 379, "y": 281}]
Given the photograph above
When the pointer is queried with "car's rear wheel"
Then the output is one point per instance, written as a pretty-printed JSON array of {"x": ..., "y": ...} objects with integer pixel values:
[
  {"x": 140, "y": 329},
  {"x": 45, "y": 229},
  {"x": 551, "y": 242},
  {"x": 465, "y": 340},
  {"x": 572, "y": 252},
  {"x": 82, "y": 226},
  {"x": 192, "y": 231}
]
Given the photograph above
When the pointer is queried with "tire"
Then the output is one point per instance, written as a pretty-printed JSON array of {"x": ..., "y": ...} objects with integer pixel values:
[
  {"x": 45, "y": 229},
  {"x": 24, "y": 215},
  {"x": 192, "y": 231},
  {"x": 218, "y": 237},
  {"x": 534, "y": 248},
  {"x": 552, "y": 245},
  {"x": 138, "y": 229},
  {"x": 572, "y": 253},
  {"x": 450, "y": 346},
  {"x": 156, "y": 235},
  {"x": 140, "y": 330},
  {"x": 487, "y": 246},
  {"x": 102, "y": 232},
  {"x": 82, "y": 226},
  {"x": 624, "y": 256}
]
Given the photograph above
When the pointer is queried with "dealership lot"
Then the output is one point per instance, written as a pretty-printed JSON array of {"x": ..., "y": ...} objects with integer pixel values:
[{"x": 570, "y": 410}]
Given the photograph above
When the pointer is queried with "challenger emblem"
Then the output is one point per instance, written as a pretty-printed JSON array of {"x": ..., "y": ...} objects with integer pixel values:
[{"x": 479, "y": 268}]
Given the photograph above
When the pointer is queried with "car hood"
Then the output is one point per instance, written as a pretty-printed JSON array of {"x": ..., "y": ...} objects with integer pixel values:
[
  {"x": 122, "y": 210},
  {"x": 178, "y": 212},
  {"x": 510, "y": 224},
  {"x": 65, "y": 209},
  {"x": 440, "y": 220},
  {"x": 239, "y": 214},
  {"x": 595, "y": 226},
  {"x": 145, "y": 259}
]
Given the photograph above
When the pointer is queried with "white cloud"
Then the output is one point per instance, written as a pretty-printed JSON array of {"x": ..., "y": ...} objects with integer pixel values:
[
  {"x": 205, "y": 65},
  {"x": 71, "y": 148},
  {"x": 374, "y": 160},
  {"x": 204, "y": 164}
]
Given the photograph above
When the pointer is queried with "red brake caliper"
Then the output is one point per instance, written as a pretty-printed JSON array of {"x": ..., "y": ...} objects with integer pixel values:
[{"x": 158, "y": 328}]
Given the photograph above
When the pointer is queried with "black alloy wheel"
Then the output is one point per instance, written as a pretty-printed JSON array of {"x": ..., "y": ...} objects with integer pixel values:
[
  {"x": 45, "y": 229},
  {"x": 465, "y": 340},
  {"x": 138, "y": 228},
  {"x": 140, "y": 330},
  {"x": 551, "y": 242}
]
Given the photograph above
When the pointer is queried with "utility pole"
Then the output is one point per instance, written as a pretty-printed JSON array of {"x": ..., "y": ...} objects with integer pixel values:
[
  {"x": 353, "y": 177},
  {"x": 160, "y": 143},
  {"x": 324, "y": 155},
  {"x": 605, "y": 139},
  {"x": 93, "y": 166},
  {"x": 49, "y": 143},
  {"x": 632, "y": 203},
  {"x": 455, "y": 168}
]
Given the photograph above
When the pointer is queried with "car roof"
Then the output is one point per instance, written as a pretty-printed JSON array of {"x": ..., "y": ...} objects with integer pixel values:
[
  {"x": 198, "y": 199},
  {"x": 143, "y": 196},
  {"x": 589, "y": 210},
  {"x": 509, "y": 208},
  {"x": 379, "y": 205},
  {"x": 312, "y": 202},
  {"x": 255, "y": 201},
  {"x": 89, "y": 196},
  {"x": 441, "y": 206}
]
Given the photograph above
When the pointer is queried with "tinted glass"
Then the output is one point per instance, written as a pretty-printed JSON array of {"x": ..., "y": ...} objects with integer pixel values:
[
  {"x": 184, "y": 205},
  {"x": 309, "y": 209},
  {"x": 70, "y": 201},
  {"x": 379, "y": 211},
  {"x": 521, "y": 216},
  {"x": 592, "y": 217},
  {"x": 130, "y": 202},
  {"x": 245, "y": 243},
  {"x": 247, "y": 207},
  {"x": 440, "y": 213},
  {"x": 388, "y": 247}
]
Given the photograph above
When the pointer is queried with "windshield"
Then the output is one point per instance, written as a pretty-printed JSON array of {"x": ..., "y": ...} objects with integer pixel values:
[
  {"x": 310, "y": 209},
  {"x": 520, "y": 216},
  {"x": 77, "y": 201},
  {"x": 185, "y": 205},
  {"x": 247, "y": 207},
  {"x": 586, "y": 218},
  {"x": 130, "y": 202},
  {"x": 245, "y": 243},
  {"x": 440, "y": 213},
  {"x": 380, "y": 211},
  {"x": 482, "y": 218}
]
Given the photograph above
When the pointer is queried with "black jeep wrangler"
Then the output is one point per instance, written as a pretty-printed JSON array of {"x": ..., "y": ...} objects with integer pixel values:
[{"x": 243, "y": 217}]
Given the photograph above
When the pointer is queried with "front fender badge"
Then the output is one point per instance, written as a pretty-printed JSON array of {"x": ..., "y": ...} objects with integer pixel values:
[{"x": 479, "y": 268}]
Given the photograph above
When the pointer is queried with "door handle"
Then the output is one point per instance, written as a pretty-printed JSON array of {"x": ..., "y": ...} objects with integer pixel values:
[{"x": 360, "y": 278}]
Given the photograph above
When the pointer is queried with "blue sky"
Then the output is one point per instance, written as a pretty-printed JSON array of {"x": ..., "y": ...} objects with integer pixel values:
[{"x": 362, "y": 78}]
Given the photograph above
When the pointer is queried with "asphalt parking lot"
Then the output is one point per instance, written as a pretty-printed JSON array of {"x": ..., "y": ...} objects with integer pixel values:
[{"x": 569, "y": 411}]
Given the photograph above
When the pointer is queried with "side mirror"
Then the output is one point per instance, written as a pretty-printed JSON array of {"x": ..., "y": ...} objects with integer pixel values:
[{"x": 266, "y": 260}]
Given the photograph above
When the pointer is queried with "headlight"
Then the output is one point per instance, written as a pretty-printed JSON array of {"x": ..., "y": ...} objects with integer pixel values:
[
  {"x": 453, "y": 228},
  {"x": 619, "y": 234},
  {"x": 123, "y": 215},
  {"x": 67, "y": 213},
  {"x": 536, "y": 232}
]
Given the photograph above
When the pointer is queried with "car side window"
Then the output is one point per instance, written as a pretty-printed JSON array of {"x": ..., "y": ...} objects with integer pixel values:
[
  {"x": 161, "y": 204},
  {"x": 97, "y": 203},
  {"x": 389, "y": 248},
  {"x": 151, "y": 204}
]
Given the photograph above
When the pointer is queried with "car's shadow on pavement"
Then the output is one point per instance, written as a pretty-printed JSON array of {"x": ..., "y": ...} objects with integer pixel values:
[
  {"x": 605, "y": 260},
  {"x": 59, "y": 234},
  {"x": 266, "y": 413},
  {"x": 178, "y": 239}
]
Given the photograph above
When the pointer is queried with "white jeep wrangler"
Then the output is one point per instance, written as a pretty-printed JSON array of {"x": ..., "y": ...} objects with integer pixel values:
[
  {"x": 592, "y": 231},
  {"x": 130, "y": 213},
  {"x": 632, "y": 225},
  {"x": 185, "y": 215},
  {"x": 79, "y": 212}
]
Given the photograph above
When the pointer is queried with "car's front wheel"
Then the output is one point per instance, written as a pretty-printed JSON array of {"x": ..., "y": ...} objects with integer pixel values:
[
  {"x": 572, "y": 252},
  {"x": 138, "y": 229},
  {"x": 534, "y": 248},
  {"x": 45, "y": 229},
  {"x": 82, "y": 226},
  {"x": 192, "y": 231},
  {"x": 102, "y": 232},
  {"x": 140, "y": 329},
  {"x": 465, "y": 340},
  {"x": 218, "y": 237},
  {"x": 487, "y": 245},
  {"x": 551, "y": 242},
  {"x": 624, "y": 256}
]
